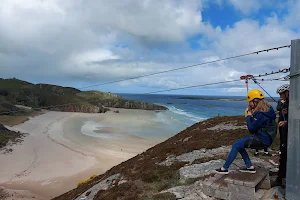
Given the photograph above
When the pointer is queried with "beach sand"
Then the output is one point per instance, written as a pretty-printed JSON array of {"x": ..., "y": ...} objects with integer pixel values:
[{"x": 56, "y": 155}]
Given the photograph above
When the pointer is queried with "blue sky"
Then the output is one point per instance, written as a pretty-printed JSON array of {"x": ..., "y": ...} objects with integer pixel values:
[{"x": 82, "y": 43}]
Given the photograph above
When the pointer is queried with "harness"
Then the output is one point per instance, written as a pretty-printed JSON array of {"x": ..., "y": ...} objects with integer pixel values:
[{"x": 271, "y": 129}]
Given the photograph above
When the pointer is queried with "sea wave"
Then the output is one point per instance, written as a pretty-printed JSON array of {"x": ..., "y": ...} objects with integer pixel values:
[
  {"x": 184, "y": 113},
  {"x": 90, "y": 127}
]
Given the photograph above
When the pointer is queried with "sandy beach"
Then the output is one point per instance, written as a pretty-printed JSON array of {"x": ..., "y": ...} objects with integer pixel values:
[{"x": 63, "y": 149}]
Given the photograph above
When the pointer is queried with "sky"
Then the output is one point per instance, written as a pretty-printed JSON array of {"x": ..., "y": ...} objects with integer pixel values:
[{"x": 81, "y": 43}]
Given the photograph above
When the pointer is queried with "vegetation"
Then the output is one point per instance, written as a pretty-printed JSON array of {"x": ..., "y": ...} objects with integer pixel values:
[
  {"x": 87, "y": 181},
  {"x": 52, "y": 97},
  {"x": 145, "y": 179},
  {"x": 7, "y": 136}
]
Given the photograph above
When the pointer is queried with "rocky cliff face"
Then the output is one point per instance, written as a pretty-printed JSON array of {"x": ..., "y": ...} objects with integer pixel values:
[
  {"x": 128, "y": 104},
  {"x": 80, "y": 108}
]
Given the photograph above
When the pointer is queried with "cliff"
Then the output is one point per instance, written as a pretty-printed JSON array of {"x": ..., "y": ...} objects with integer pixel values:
[{"x": 174, "y": 169}]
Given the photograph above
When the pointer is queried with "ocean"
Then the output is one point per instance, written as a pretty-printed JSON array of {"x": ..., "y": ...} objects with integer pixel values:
[
  {"x": 189, "y": 109},
  {"x": 183, "y": 111}
]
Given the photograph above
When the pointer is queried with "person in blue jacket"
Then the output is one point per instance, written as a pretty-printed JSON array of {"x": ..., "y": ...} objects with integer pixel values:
[{"x": 261, "y": 124}]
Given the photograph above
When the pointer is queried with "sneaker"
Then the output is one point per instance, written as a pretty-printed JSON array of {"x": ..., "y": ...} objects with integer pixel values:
[
  {"x": 221, "y": 171},
  {"x": 248, "y": 170}
]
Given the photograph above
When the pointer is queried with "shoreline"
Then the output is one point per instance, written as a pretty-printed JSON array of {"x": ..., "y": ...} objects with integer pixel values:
[{"x": 55, "y": 156}]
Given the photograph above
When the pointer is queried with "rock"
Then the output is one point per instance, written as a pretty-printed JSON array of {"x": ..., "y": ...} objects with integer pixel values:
[
  {"x": 274, "y": 193},
  {"x": 116, "y": 111},
  {"x": 226, "y": 127},
  {"x": 191, "y": 172},
  {"x": 194, "y": 155},
  {"x": 80, "y": 108},
  {"x": 190, "y": 192},
  {"x": 103, "y": 185},
  {"x": 187, "y": 139},
  {"x": 119, "y": 102}
]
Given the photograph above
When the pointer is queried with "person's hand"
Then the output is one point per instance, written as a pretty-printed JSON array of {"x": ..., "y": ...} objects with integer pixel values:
[
  {"x": 282, "y": 124},
  {"x": 249, "y": 110}
]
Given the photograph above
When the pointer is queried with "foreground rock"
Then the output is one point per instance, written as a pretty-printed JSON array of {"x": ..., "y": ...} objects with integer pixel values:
[
  {"x": 103, "y": 185},
  {"x": 194, "y": 155}
]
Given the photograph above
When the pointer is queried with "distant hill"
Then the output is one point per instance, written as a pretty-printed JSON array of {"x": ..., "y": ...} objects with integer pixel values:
[{"x": 53, "y": 97}]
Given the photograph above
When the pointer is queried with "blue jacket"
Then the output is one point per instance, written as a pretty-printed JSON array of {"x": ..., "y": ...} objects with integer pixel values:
[{"x": 260, "y": 120}]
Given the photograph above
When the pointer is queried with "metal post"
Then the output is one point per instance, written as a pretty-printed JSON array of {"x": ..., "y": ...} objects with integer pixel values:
[{"x": 293, "y": 158}]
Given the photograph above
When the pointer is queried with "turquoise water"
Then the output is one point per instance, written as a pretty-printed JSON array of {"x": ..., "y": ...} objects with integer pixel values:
[
  {"x": 191, "y": 109},
  {"x": 183, "y": 111}
]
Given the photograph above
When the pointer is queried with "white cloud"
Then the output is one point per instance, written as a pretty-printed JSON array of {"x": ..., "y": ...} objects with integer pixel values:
[
  {"x": 92, "y": 56},
  {"x": 97, "y": 41},
  {"x": 293, "y": 17},
  {"x": 246, "y": 6}
]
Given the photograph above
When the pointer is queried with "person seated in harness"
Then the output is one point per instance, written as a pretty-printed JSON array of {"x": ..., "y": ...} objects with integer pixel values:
[
  {"x": 256, "y": 153},
  {"x": 261, "y": 124}
]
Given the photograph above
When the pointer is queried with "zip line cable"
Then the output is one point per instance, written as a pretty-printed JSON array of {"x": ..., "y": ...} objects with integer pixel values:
[
  {"x": 286, "y": 70},
  {"x": 267, "y": 74},
  {"x": 192, "y": 86},
  {"x": 264, "y": 90},
  {"x": 190, "y": 66}
]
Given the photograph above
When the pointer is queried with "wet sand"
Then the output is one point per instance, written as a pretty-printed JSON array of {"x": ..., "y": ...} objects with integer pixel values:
[{"x": 57, "y": 155}]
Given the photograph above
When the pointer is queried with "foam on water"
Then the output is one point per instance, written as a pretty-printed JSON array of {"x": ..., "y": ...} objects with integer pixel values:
[
  {"x": 186, "y": 114},
  {"x": 90, "y": 127}
]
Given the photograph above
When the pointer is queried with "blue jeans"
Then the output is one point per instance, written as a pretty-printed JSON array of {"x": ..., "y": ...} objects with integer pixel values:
[{"x": 239, "y": 146}]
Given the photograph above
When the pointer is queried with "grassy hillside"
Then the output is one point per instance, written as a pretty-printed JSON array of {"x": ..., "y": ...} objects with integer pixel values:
[
  {"x": 145, "y": 179},
  {"x": 20, "y": 92},
  {"x": 14, "y": 91}
]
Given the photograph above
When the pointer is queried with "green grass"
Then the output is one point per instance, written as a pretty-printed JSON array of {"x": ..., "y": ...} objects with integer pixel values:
[{"x": 96, "y": 95}]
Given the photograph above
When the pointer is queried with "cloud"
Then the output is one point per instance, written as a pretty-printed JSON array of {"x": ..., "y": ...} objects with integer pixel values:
[
  {"x": 246, "y": 6},
  {"x": 93, "y": 56},
  {"x": 293, "y": 16},
  {"x": 79, "y": 43}
]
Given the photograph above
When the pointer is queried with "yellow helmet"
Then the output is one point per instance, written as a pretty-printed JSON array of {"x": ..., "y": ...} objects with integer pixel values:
[{"x": 254, "y": 94}]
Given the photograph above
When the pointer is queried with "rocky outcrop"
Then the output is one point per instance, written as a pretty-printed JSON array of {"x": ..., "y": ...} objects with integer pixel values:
[
  {"x": 191, "y": 172},
  {"x": 194, "y": 155},
  {"x": 103, "y": 185},
  {"x": 80, "y": 108},
  {"x": 190, "y": 192},
  {"x": 129, "y": 104}
]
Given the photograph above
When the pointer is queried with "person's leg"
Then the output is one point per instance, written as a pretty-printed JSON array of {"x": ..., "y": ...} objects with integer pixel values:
[
  {"x": 236, "y": 147},
  {"x": 246, "y": 158}
]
